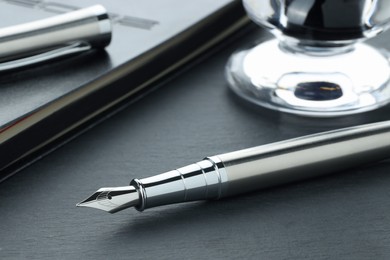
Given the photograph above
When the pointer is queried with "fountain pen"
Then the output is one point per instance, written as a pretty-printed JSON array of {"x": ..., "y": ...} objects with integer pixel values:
[{"x": 251, "y": 169}]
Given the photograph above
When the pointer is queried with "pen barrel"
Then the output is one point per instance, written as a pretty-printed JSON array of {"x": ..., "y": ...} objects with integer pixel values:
[
  {"x": 90, "y": 25},
  {"x": 199, "y": 181},
  {"x": 267, "y": 165},
  {"x": 305, "y": 157}
]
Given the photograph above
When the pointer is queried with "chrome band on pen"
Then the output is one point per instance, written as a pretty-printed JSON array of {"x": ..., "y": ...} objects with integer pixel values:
[
  {"x": 203, "y": 180},
  {"x": 53, "y": 37}
]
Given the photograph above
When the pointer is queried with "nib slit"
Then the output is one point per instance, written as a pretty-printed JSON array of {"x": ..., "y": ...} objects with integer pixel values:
[{"x": 112, "y": 199}]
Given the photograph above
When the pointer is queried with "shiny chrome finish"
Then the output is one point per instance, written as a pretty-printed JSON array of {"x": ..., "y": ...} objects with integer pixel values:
[
  {"x": 53, "y": 37},
  {"x": 305, "y": 157},
  {"x": 255, "y": 168},
  {"x": 199, "y": 181}
]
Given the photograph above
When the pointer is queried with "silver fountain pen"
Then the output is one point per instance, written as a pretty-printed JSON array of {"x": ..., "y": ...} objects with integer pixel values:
[{"x": 251, "y": 169}]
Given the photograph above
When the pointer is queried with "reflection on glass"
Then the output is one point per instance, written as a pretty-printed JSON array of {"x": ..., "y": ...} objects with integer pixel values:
[{"x": 317, "y": 65}]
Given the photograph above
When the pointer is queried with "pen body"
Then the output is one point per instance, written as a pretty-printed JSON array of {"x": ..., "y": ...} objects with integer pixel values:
[
  {"x": 267, "y": 165},
  {"x": 305, "y": 157}
]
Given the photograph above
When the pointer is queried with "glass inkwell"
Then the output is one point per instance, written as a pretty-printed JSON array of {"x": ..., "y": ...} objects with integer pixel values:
[{"x": 318, "y": 64}]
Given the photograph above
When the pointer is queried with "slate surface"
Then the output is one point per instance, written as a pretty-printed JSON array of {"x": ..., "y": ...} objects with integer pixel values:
[{"x": 341, "y": 216}]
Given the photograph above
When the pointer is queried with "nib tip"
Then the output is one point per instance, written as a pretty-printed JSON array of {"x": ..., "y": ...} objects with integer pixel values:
[{"x": 112, "y": 199}]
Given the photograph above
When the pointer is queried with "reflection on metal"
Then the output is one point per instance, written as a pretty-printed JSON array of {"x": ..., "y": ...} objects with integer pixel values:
[{"x": 54, "y": 37}]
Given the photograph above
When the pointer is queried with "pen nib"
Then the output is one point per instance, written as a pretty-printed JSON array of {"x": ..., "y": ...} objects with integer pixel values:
[{"x": 112, "y": 199}]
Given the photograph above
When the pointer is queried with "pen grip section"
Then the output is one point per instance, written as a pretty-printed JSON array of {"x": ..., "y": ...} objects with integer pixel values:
[{"x": 198, "y": 181}]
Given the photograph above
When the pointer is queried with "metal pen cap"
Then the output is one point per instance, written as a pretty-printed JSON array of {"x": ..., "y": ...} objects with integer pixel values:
[{"x": 55, "y": 36}]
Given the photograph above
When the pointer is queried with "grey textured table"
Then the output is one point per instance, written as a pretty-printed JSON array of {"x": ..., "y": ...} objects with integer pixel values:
[{"x": 341, "y": 216}]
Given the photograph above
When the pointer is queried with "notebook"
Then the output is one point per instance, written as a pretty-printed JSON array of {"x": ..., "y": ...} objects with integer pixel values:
[{"x": 43, "y": 106}]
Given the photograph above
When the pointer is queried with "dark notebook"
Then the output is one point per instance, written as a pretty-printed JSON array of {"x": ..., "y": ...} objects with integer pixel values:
[{"x": 43, "y": 106}]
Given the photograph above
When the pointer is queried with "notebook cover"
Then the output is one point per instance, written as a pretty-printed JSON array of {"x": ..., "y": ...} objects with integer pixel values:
[{"x": 43, "y": 106}]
